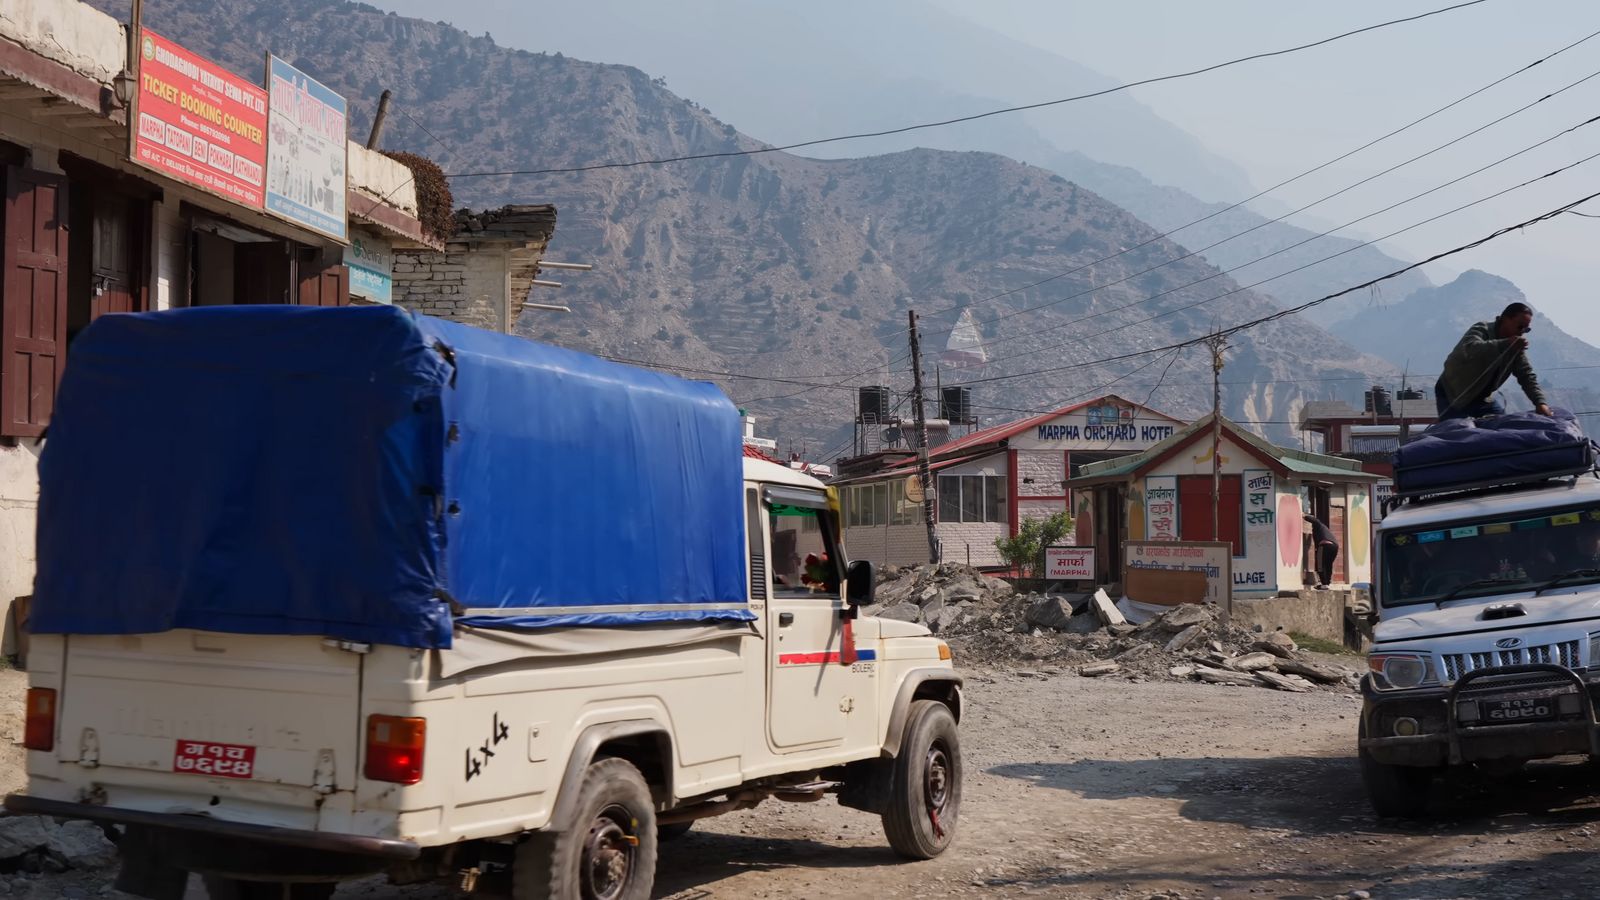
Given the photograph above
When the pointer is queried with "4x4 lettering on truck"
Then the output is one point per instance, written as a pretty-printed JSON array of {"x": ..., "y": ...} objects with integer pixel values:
[{"x": 538, "y": 648}]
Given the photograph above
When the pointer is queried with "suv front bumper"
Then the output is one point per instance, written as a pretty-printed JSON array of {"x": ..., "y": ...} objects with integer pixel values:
[{"x": 1444, "y": 739}]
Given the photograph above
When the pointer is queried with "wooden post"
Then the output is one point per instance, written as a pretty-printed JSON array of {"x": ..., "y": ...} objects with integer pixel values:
[
  {"x": 924, "y": 473},
  {"x": 1218, "y": 343}
]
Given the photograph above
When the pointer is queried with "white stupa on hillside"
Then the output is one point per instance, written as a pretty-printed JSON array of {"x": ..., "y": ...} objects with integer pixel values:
[{"x": 965, "y": 347}]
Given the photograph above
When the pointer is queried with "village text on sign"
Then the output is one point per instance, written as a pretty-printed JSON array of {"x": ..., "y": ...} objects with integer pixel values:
[
  {"x": 1069, "y": 563},
  {"x": 200, "y": 123}
]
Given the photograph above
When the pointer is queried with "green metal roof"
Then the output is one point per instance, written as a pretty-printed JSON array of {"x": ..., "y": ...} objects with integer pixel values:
[{"x": 1298, "y": 462}]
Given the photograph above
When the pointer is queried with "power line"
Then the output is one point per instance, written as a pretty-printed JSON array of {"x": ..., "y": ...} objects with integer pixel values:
[
  {"x": 1301, "y": 243},
  {"x": 1311, "y": 171},
  {"x": 971, "y": 118},
  {"x": 1257, "y": 284},
  {"x": 1308, "y": 305}
]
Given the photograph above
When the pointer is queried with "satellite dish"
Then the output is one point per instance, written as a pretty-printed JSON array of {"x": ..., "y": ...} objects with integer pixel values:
[
  {"x": 914, "y": 489},
  {"x": 891, "y": 435}
]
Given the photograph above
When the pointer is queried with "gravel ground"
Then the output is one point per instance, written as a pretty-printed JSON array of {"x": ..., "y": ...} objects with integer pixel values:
[{"x": 1085, "y": 788}]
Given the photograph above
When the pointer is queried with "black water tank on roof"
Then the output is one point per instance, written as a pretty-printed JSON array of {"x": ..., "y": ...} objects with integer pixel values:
[
  {"x": 1378, "y": 402},
  {"x": 955, "y": 404},
  {"x": 873, "y": 405}
]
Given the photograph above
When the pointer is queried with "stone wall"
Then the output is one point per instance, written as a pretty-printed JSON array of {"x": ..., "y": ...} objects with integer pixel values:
[
  {"x": 436, "y": 284},
  {"x": 1319, "y": 614}
]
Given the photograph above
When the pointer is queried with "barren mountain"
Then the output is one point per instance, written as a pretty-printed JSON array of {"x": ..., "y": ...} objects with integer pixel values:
[
  {"x": 784, "y": 267},
  {"x": 1418, "y": 333}
]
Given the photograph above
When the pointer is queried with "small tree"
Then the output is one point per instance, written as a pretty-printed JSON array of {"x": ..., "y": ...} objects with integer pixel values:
[{"x": 1025, "y": 552}]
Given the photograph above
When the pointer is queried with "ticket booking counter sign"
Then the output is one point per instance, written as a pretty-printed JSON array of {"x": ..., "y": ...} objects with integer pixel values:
[{"x": 200, "y": 123}]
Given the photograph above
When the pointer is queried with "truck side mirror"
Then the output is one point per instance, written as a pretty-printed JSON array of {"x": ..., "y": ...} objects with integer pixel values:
[{"x": 860, "y": 583}]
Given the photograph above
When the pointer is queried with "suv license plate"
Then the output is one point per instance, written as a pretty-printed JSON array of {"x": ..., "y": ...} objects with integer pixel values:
[
  {"x": 217, "y": 760},
  {"x": 1504, "y": 712}
]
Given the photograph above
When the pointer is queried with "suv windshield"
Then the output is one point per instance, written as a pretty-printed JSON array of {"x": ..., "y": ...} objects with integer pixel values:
[{"x": 1490, "y": 556}]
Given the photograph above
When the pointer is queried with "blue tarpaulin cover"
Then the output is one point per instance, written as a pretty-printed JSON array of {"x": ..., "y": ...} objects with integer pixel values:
[
  {"x": 1459, "y": 453},
  {"x": 358, "y": 473}
]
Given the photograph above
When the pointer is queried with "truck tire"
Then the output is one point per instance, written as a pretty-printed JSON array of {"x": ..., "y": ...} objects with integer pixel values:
[
  {"x": 220, "y": 888},
  {"x": 609, "y": 853},
  {"x": 925, "y": 783},
  {"x": 1395, "y": 792}
]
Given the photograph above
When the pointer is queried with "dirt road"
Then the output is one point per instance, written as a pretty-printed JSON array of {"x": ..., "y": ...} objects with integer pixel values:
[{"x": 1085, "y": 788}]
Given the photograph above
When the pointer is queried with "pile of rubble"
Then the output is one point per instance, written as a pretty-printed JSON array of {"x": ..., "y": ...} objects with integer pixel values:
[
  {"x": 943, "y": 597},
  {"x": 988, "y": 623},
  {"x": 1189, "y": 642},
  {"x": 35, "y": 844}
]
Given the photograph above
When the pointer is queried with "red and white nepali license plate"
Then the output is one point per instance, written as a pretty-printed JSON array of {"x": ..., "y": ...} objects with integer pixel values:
[{"x": 222, "y": 760}]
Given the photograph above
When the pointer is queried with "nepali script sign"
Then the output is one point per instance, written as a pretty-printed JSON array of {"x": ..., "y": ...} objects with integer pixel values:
[
  {"x": 306, "y": 156},
  {"x": 200, "y": 123},
  {"x": 1069, "y": 563},
  {"x": 1214, "y": 558}
]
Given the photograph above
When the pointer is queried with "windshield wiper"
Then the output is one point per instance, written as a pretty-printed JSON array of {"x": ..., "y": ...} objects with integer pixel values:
[
  {"x": 1482, "y": 582},
  {"x": 1575, "y": 573}
]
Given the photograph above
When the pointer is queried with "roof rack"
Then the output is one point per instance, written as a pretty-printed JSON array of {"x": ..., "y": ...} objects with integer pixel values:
[{"x": 1481, "y": 488}]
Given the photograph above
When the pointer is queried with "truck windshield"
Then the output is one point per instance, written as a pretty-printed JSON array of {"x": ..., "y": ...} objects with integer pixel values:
[{"x": 1490, "y": 556}]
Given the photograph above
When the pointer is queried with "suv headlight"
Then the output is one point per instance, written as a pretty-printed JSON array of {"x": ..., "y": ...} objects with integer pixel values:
[{"x": 1401, "y": 671}]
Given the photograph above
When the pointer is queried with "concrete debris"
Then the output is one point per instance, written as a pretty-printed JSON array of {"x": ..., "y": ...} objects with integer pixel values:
[
  {"x": 904, "y": 612},
  {"x": 1095, "y": 670},
  {"x": 1252, "y": 662},
  {"x": 1106, "y": 611},
  {"x": 1050, "y": 612},
  {"x": 1285, "y": 682},
  {"x": 1186, "y": 637},
  {"x": 38, "y": 844},
  {"x": 987, "y": 622},
  {"x": 1224, "y": 676},
  {"x": 1314, "y": 671},
  {"x": 1278, "y": 644}
]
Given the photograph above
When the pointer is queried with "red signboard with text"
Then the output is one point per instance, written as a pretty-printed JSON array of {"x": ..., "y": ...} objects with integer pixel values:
[{"x": 200, "y": 123}]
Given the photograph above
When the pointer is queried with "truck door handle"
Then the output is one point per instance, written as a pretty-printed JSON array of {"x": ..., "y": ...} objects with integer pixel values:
[{"x": 785, "y": 620}]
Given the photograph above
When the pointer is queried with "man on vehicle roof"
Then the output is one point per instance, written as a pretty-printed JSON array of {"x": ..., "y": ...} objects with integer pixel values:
[{"x": 1487, "y": 355}]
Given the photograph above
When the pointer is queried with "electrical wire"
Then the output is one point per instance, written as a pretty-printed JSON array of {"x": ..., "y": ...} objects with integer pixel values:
[
  {"x": 1259, "y": 194},
  {"x": 975, "y": 117},
  {"x": 1257, "y": 284},
  {"x": 1295, "y": 310},
  {"x": 1301, "y": 243}
]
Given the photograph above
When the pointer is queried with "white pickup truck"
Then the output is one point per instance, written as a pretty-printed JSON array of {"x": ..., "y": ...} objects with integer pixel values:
[
  {"x": 1488, "y": 645},
  {"x": 258, "y": 734}
]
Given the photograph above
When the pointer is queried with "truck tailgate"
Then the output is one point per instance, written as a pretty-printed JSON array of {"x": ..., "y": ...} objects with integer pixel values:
[{"x": 220, "y": 715}]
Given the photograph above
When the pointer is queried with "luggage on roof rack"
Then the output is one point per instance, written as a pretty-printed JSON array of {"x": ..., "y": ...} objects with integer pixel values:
[{"x": 1467, "y": 454}]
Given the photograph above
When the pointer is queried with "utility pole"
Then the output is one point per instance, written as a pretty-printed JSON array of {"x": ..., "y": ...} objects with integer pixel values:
[
  {"x": 1218, "y": 343},
  {"x": 924, "y": 473}
]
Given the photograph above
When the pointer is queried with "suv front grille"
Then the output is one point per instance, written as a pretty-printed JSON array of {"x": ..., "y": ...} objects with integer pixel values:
[{"x": 1564, "y": 653}]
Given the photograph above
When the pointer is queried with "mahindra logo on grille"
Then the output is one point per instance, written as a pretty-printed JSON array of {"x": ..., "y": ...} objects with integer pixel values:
[{"x": 1508, "y": 643}]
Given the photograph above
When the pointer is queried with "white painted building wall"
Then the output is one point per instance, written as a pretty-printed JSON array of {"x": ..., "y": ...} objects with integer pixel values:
[{"x": 74, "y": 34}]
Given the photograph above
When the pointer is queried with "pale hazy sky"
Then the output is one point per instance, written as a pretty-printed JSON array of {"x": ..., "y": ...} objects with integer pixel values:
[{"x": 1280, "y": 116}]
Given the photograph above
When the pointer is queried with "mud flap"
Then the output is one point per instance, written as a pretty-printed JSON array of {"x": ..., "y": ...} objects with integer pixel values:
[
  {"x": 144, "y": 871},
  {"x": 867, "y": 785}
]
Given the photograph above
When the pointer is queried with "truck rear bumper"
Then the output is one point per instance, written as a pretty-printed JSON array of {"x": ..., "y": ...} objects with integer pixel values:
[{"x": 264, "y": 836}]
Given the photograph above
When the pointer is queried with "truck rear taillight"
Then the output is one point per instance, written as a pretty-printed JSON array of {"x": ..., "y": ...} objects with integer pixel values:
[
  {"x": 39, "y": 732},
  {"x": 394, "y": 749}
]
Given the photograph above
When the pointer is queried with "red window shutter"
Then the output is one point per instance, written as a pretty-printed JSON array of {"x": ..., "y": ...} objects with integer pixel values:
[
  {"x": 328, "y": 286},
  {"x": 33, "y": 305}
]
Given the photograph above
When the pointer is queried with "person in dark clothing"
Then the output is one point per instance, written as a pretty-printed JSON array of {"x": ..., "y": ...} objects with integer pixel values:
[
  {"x": 1485, "y": 357},
  {"x": 1325, "y": 548}
]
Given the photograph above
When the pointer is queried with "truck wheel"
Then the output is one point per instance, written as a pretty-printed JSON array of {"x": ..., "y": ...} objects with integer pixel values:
[
  {"x": 1395, "y": 792},
  {"x": 672, "y": 832},
  {"x": 220, "y": 888},
  {"x": 609, "y": 853},
  {"x": 925, "y": 783}
]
